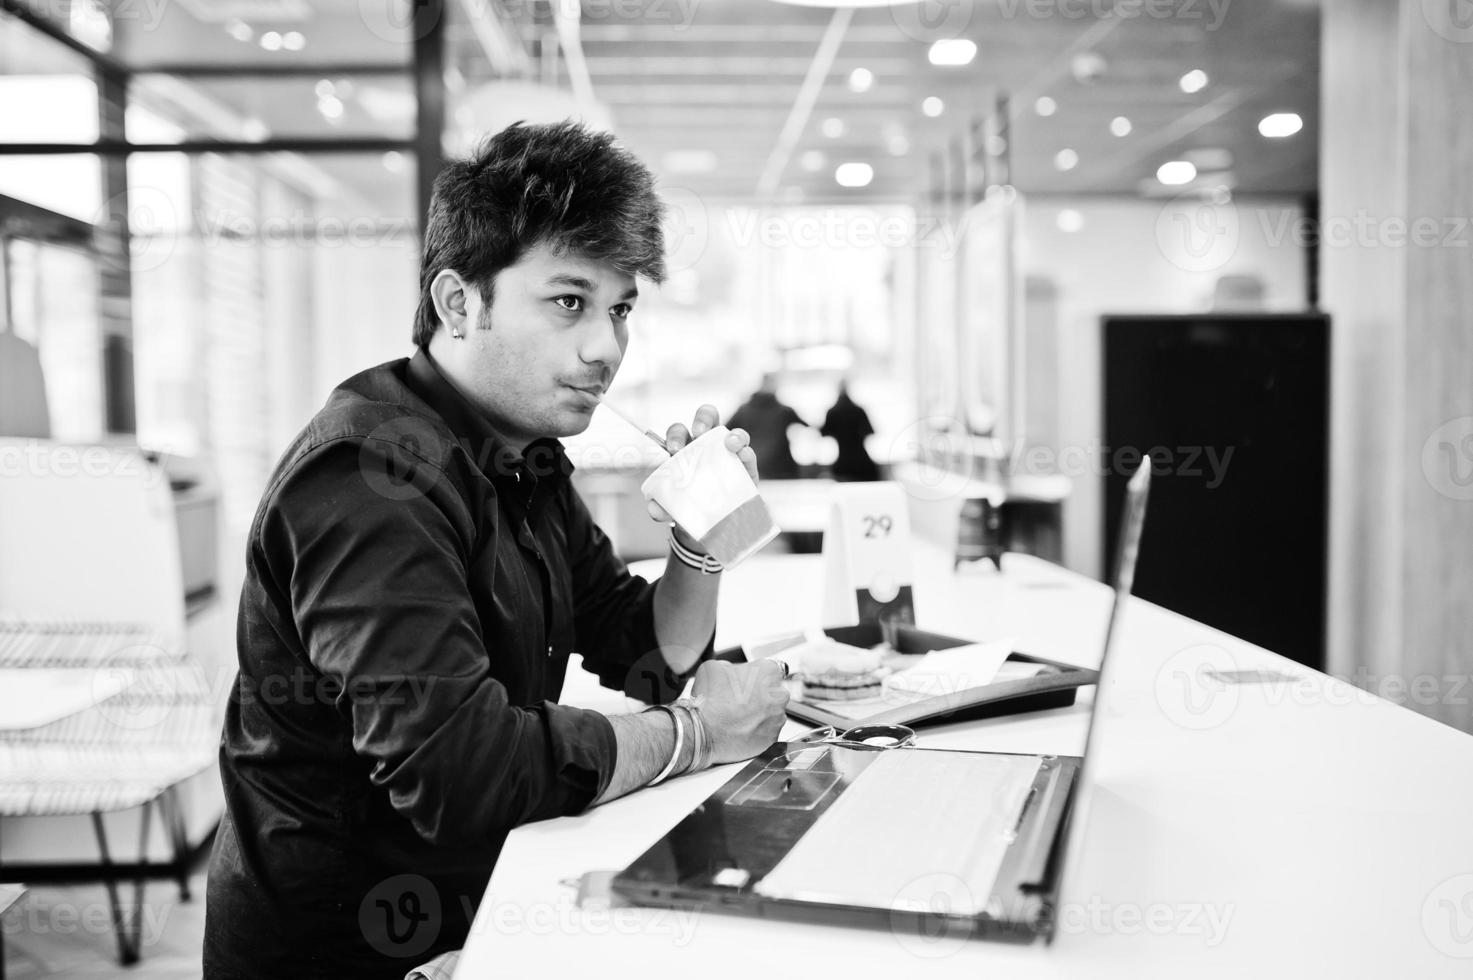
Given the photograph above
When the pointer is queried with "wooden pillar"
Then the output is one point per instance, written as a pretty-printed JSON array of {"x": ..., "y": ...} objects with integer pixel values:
[{"x": 1396, "y": 263}]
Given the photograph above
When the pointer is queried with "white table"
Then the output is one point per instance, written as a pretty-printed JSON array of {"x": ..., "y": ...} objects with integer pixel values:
[{"x": 1298, "y": 829}]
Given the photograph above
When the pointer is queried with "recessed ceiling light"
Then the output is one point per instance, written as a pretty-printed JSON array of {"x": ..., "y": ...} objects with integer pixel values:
[
  {"x": 952, "y": 52},
  {"x": 689, "y": 161},
  {"x": 861, "y": 80},
  {"x": 1087, "y": 66},
  {"x": 239, "y": 30},
  {"x": 832, "y": 127},
  {"x": 898, "y": 144},
  {"x": 854, "y": 174},
  {"x": 1066, "y": 159},
  {"x": 271, "y": 41},
  {"x": 1175, "y": 172},
  {"x": 1193, "y": 81},
  {"x": 811, "y": 161},
  {"x": 324, "y": 88},
  {"x": 331, "y": 107},
  {"x": 1120, "y": 126},
  {"x": 932, "y": 106},
  {"x": 1279, "y": 125},
  {"x": 1069, "y": 221},
  {"x": 293, "y": 40},
  {"x": 394, "y": 162},
  {"x": 1045, "y": 106}
]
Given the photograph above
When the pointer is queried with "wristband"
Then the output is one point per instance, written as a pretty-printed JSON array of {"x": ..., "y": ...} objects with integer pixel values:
[
  {"x": 679, "y": 743},
  {"x": 705, "y": 564}
]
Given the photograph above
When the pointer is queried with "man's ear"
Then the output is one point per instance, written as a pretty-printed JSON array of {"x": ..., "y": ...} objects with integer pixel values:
[{"x": 450, "y": 295}]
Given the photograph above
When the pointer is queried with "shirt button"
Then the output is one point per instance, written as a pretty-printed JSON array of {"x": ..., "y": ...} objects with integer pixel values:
[{"x": 549, "y": 649}]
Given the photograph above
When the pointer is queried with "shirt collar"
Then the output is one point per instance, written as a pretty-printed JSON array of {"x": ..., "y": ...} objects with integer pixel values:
[{"x": 544, "y": 459}]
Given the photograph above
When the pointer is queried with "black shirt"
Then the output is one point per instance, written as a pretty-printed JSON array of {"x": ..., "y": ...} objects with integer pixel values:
[{"x": 413, "y": 590}]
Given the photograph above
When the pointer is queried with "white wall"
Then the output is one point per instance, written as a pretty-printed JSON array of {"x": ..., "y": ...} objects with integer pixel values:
[{"x": 1135, "y": 256}]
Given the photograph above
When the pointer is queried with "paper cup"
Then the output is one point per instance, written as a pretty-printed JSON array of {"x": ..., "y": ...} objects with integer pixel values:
[{"x": 708, "y": 492}]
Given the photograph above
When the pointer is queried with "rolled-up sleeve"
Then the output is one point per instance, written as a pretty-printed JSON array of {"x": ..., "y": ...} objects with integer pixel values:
[
  {"x": 378, "y": 589},
  {"x": 614, "y": 618}
]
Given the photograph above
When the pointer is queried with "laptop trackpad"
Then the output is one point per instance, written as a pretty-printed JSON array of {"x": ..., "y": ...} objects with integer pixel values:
[{"x": 941, "y": 820}]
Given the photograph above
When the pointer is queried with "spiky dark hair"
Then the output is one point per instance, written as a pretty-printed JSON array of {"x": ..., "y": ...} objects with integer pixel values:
[{"x": 563, "y": 185}]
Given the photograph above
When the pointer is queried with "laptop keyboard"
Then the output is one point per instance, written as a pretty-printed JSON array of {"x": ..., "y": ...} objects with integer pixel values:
[{"x": 918, "y": 830}]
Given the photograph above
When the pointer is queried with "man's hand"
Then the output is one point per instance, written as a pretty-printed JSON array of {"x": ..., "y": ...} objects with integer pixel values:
[
  {"x": 742, "y": 705},
  {"x": 677, "y": 436}
]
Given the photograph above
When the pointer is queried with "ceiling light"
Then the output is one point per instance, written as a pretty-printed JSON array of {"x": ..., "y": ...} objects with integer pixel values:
[
  {"x": 1045, "y": 106},
  {"x": 271, "y": 41},
  {"x": 1087, "y": 66},
  {"x": 952, "y": 52},
  {"x": 1175, "y": 172},
  {"x": 1066, "y": 159},
  {"x": 1279, "y": 125},
  {"x": 898, "y": 144},
  {"x": 811, "y": 161},
  {"x": 932, "y": 106},
  {"x": 854, "y": 174},
  {"x": 861, "y": 80},
  {"x": 1120, "y": 126},
  {"x": 239, "y": 30},
  {"x": 1193, "y": 81},
  {"x": 394, "y": 162},
  {"x": 324, "y": 88},
  {"x": 832, "y": 127},
  {"x": 1069, "y": 221},
  {"x": 254, "y": 130},
  {"x": 294, "y": 40},
  {"x": 689, "y": 161},
  {"x": 331, "y": 107}
]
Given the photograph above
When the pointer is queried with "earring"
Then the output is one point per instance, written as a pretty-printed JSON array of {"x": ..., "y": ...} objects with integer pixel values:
[{"x": 456, "y": 334}]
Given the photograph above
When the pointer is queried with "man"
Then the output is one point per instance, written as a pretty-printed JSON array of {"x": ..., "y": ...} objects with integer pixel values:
[
  {"x": 419, "y": 570},
  {"x": 770, "y": 420}
]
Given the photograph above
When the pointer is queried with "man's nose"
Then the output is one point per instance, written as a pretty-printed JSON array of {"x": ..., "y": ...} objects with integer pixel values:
[{"x": 601, "y": 343}]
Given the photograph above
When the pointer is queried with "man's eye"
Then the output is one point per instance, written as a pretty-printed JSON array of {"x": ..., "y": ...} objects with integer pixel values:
[
  {"x": 570, "y": 303},
  {"x": 622, "y": 311}
]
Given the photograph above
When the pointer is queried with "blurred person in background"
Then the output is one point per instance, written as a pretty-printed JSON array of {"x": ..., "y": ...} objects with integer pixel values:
[
  {"x": 767, "y": 419},
  {"x": 848, "y": 425}
]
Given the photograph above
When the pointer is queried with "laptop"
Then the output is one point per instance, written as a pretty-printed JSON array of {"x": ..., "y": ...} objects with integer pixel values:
[{"x": 931, "y": 841}]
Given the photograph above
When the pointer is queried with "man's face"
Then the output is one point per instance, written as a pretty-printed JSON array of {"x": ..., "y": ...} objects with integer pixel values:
[{"x": 550, "y": 341}]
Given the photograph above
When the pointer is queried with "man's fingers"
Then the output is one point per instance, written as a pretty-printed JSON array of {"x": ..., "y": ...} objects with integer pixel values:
[
  {"x": 707, "y": 418},
  {"x": 659, "y": 514},
  {"x": 737, "y": 440},
  {"x": 677, "y": 436}
]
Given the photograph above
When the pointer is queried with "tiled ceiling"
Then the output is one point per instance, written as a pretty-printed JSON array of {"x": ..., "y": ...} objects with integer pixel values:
[{"x": 722, "y": 76}]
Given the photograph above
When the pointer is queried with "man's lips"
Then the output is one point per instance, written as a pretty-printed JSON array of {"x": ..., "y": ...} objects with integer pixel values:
[{"x": 594, "y": 390}]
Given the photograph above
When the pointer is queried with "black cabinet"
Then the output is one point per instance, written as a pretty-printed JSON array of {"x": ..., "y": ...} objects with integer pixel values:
[{"x": 1234, "y": 411}]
